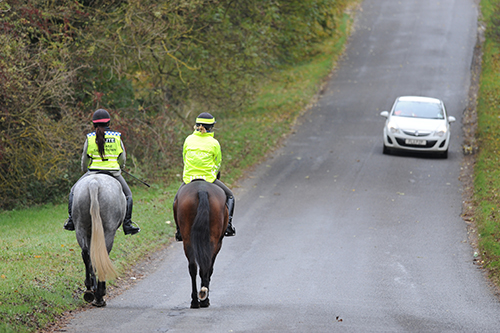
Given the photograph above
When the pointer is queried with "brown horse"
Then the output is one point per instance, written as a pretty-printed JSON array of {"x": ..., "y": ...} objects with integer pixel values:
[{"x": 200, "y": 212}]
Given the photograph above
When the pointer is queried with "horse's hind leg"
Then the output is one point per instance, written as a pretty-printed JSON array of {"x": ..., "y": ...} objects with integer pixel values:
[
  {"x": 101, "y": 291},
  {"x": 193, "y": 268},
  {"x": 203, "y": 295},
  {"x": 90, "y": 280},
  {"x": 205, "y": 286}
]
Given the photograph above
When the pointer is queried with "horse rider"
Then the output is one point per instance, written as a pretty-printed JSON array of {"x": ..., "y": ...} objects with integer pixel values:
[
  {"x": 104, "y": 152},
  {"x": 202, "y": 159}
]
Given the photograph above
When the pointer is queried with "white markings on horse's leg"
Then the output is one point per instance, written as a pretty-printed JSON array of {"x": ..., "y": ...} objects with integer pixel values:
[{"x": 203, "y": 294}]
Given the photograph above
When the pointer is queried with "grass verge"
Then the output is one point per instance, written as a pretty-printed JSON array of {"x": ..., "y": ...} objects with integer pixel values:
[
  {"x": 41, "y": 270},
  {"x": 486, "y": 196}
]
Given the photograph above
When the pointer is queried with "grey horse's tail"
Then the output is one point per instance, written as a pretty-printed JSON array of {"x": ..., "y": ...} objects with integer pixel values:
[
  {"x": 99, "y": 256},
  {"x": 200, "y": 233}
]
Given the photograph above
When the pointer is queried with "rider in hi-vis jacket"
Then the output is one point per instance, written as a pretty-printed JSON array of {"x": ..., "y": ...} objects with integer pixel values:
[
  {"x": 104, "y": 152},
  {"x": 202, "y": 159}
]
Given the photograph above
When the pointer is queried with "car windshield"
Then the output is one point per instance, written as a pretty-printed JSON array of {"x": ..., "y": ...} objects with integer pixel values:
[{"x": 418, "y": 110}]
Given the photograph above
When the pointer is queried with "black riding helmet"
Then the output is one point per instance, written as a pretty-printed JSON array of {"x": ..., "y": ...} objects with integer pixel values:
[
  {"x": 206, "y": 120},
  {"x": 101, "y": 116}
]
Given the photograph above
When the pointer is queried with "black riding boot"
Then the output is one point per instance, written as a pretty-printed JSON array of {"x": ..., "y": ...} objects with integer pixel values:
[
  {"x": 68, "y": 225},
  {"x": 128, "y": 228},
  {"x": 230, "y": 231}
]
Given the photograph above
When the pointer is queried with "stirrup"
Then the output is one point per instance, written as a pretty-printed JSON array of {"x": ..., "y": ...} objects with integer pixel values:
[
  {"x": 129, "y": 229},
  {"x": 69, "y": 225},
  {"x": 230, "y": 231},
  {"x": 178, "y": 236}
]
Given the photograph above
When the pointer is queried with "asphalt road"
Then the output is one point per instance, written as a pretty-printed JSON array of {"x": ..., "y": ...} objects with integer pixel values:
[{"x": 332, "y": 235}]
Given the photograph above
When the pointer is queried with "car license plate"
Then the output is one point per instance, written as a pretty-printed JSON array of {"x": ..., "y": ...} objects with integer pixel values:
[{"x": 415, "y": 142}]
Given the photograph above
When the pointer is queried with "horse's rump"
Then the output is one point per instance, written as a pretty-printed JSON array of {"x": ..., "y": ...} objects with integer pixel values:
[{"x": 202, "y": 218}]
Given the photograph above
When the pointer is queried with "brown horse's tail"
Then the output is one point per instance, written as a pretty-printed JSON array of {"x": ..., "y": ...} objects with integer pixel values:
[
  {"x": 200, "y": 233},
  {"x": 99, "y": 256}
]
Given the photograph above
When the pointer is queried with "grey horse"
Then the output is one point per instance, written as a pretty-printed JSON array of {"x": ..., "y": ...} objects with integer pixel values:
[{"x": 99, "y": 207}]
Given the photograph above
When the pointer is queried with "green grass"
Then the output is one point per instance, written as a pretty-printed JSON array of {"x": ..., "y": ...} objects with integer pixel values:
[
  {"x": 41, "y": 270},
  {"x": 487, "y": 169}
]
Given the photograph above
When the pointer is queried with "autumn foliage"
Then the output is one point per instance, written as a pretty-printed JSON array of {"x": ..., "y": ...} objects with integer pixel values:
[{"x": 153, "y": 64}]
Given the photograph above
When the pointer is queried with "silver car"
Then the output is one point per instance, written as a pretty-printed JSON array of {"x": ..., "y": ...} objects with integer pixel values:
[{"x": 417, "y": 124}]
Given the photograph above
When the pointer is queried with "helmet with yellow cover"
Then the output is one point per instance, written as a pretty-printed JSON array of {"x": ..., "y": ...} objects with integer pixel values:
[{"x": 205, "y": 120}]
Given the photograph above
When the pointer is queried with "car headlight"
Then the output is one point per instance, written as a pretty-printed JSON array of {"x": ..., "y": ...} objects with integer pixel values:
[
  {"x": 441, "y": 131},
  {"x": 392, "y": 127}
]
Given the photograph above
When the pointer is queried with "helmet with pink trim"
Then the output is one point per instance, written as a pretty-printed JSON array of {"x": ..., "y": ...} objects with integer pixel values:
[{"x": 101, "y": 116}]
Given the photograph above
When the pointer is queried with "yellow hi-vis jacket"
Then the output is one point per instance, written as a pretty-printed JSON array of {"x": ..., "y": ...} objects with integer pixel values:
[
  {"x": 112, "y": 150},
  {"x": 202, "y": 157}
]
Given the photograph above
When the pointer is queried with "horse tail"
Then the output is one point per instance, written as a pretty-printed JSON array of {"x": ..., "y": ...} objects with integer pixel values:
[
  {"x": 200, "y": 233},
  {"x": 99, "y": 256}
]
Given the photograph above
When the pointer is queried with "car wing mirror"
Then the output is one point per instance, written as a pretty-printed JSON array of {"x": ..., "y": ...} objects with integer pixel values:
[
  {"x": 384, "y": 114},
  {"x": 451, "y": 119}
]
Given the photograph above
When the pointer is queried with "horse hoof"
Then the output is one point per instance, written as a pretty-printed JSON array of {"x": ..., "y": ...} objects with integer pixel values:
[
  {"x": 88, "y": 296},
  {"x": 205, "y": 303},
  {"x": 195, "y": 305},
  {"x": 99, "y": 304},
  {"x": 203, "y": 294}
]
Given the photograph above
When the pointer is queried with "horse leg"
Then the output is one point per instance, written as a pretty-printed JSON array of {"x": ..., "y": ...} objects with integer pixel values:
[
  {"x": 205, "y": 280},
  {"x": 195, "y": 304},
  {"x": 101, "y": 291},
  {"x": 90, "y": 280},
  {"x": 205, "y": 286},
  {"x": 203, "y": 295}
]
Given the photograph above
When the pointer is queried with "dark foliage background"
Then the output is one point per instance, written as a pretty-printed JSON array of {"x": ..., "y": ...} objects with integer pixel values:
[{"x": 153, "y": 64}]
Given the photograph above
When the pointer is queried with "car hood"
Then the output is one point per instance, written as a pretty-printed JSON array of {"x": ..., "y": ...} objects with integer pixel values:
[{"x": 420, "y": 124}]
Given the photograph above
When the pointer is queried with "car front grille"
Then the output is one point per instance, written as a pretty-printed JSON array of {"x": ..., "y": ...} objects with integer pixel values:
[
  {"x": 430, "y": 143},
  {"x": 416, "y": 133}
]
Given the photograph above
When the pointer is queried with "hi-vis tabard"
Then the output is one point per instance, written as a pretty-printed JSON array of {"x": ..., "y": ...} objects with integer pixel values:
[{"x": 112, "y": 149}]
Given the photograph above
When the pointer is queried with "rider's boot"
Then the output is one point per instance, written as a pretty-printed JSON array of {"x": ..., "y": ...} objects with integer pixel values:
[
  {"x": 128, "y": 228},
  {"x": 69, "y": 225},
  {"x": 230, "y": 231}
]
